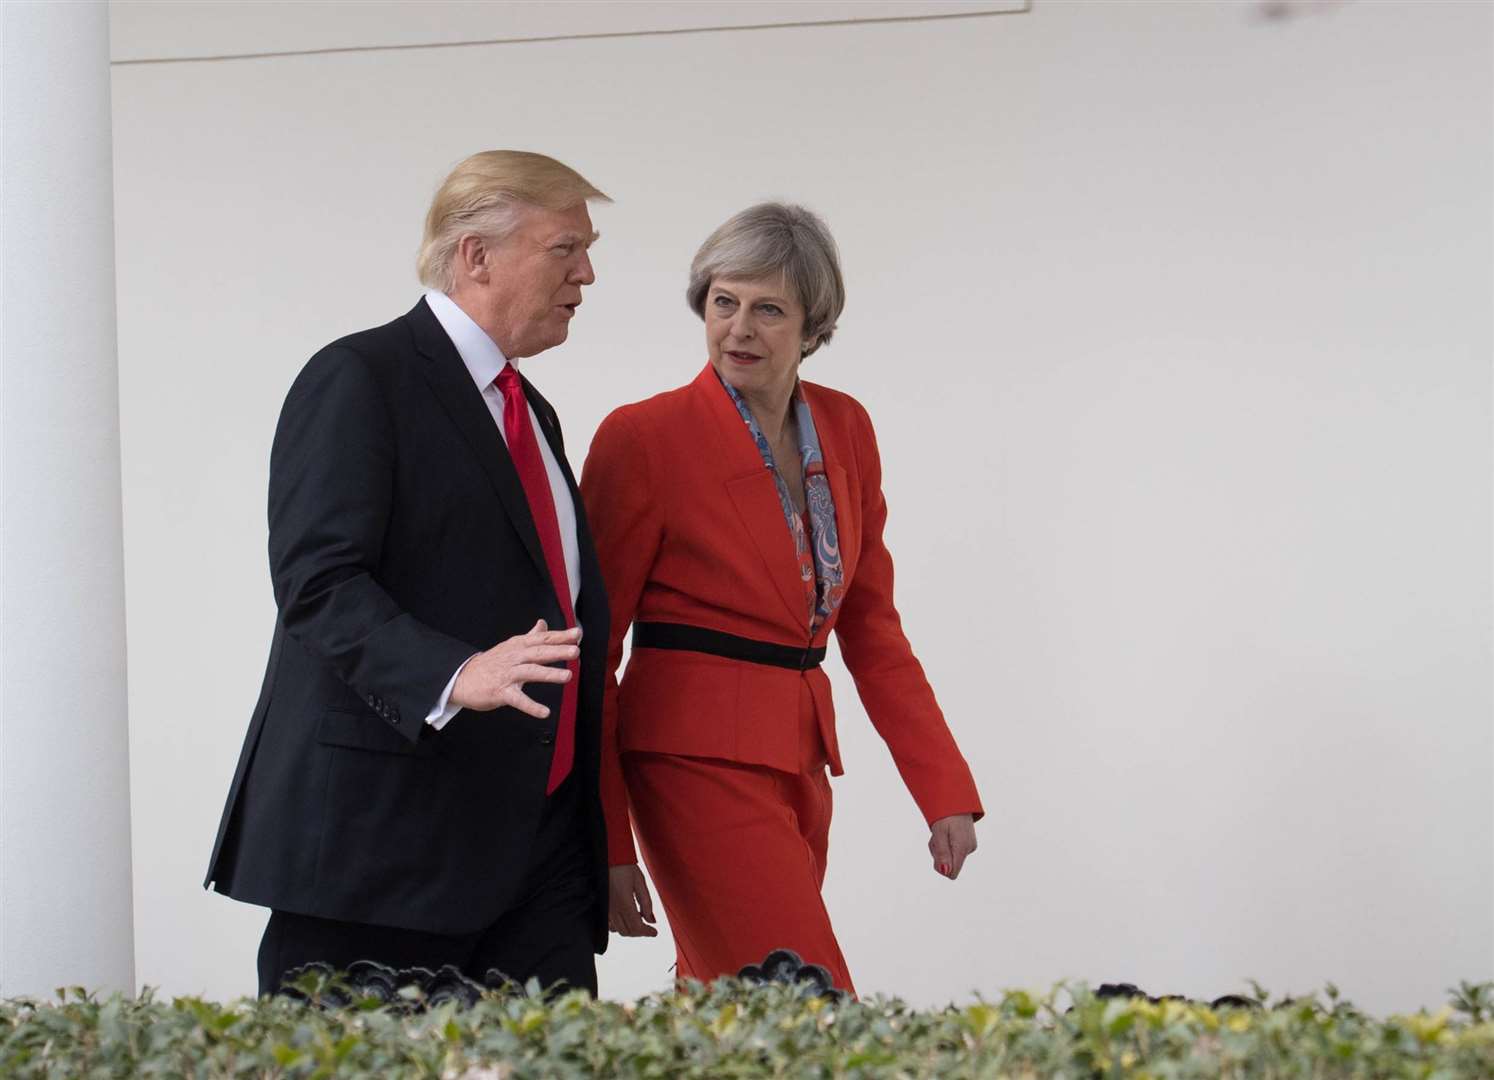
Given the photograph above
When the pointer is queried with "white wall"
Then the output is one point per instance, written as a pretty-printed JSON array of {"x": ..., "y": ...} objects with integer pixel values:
[{"x": 1175, "y": 322}]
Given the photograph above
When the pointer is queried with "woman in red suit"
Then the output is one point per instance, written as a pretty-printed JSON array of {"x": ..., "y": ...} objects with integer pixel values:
[{"x": 739, "y": 521}]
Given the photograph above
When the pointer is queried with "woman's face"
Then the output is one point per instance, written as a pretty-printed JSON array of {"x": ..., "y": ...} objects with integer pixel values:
[{"x": 755, "y": 335}]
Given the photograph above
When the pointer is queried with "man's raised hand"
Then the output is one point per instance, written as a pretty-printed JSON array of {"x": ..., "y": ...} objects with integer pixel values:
[{"x": 493, "y": 679}]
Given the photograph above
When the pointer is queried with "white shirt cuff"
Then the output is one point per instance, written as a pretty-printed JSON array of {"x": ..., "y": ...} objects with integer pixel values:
[{"x": 444, "y": 710}]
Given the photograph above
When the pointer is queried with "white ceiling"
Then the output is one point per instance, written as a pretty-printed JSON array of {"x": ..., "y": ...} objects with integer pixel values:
[{"x": 145, "y": 30}]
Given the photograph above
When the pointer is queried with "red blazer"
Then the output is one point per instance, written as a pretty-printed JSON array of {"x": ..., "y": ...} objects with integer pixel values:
[{"x": 689, "y": 529}]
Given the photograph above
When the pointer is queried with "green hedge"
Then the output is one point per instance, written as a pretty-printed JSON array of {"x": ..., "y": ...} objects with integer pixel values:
[{"x": 731, "y": 1030}]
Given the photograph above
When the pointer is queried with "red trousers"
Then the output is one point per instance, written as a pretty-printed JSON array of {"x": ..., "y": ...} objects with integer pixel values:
[{"x": 737, "y": 854}]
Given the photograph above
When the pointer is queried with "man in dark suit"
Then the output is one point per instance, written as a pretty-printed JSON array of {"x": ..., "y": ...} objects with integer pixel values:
[{"x": 419, "y": 782}]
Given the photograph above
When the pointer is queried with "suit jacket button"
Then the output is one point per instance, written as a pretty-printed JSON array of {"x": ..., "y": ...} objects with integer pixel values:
[{"x": 546, "y": 740}]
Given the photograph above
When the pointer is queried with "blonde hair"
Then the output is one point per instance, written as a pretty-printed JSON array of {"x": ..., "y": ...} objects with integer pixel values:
[
  {"x": 485, "y": 195},
  {"x": 772, "y": 239}
]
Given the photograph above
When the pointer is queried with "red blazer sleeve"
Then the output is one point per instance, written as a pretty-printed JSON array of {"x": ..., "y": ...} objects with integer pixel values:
[
  {"x": 890, "y": 680},
  {"x": 622, "y": 508}
]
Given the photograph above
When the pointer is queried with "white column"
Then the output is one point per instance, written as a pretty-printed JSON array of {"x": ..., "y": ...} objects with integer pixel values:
[{"x": 65, "y": 891}]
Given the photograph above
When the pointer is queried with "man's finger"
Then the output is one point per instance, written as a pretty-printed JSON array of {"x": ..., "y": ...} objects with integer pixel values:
[
  {"x": 645, "y": 903},
  {"x": 549, "y": 654},
  {"x": 517, "y": 699},
  {"x": 527, "y": 673}
]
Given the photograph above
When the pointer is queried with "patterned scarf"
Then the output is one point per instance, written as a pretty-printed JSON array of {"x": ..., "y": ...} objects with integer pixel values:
[{"x": 818, "y": 551}]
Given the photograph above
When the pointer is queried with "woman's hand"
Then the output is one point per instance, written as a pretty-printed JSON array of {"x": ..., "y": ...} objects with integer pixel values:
[
  {"x": 630, "y": 909},
  {"x": 951, "y": 839}
]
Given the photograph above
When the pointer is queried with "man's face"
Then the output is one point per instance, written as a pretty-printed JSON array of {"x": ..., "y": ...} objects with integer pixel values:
[{"x": 535, "y": 278}]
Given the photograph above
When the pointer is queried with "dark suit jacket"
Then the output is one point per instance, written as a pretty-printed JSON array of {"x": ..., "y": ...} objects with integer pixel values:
[{"x": 400, "y": 544}]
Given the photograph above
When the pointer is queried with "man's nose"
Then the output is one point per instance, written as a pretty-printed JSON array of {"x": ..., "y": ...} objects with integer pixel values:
[{"x": 584, "y": 274}]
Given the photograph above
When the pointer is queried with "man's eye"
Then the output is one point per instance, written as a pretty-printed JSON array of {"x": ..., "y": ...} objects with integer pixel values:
[{"x": 563, "y": 249}]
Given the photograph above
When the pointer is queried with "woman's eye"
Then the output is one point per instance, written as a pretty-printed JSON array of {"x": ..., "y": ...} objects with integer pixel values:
[
  {"x": 771, "y": 309},
  {"x": 722, "y": 302}
]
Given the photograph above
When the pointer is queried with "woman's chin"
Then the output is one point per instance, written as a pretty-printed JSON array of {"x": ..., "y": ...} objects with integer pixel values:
[{"x": 738, "y": 375}]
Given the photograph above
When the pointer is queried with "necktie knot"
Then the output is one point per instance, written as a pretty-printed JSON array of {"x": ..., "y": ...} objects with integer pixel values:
[{"x": 508, "y": 382}]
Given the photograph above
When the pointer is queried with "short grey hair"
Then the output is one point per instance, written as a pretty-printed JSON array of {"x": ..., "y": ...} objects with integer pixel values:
[{"x": 769, "y": 240}]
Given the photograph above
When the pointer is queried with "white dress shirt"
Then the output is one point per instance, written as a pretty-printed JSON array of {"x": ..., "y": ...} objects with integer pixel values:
[{"x": 484, "y": 361}]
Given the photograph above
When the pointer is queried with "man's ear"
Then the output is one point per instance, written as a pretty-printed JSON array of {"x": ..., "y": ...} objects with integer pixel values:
[{"x": 472, "y": 258}]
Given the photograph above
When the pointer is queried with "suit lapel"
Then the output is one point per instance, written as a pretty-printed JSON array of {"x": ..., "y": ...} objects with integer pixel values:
[
  {"x": 449, "y": 379},
  {"x": 550, "y": 427},
  {"x": 754, "y": 494}
]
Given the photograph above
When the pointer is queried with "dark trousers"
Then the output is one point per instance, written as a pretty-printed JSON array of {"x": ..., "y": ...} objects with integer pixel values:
[{"x": 546, "y": 934}]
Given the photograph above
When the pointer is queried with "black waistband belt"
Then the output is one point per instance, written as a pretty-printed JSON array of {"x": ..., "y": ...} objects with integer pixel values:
[{"x": 660, "y": 635}]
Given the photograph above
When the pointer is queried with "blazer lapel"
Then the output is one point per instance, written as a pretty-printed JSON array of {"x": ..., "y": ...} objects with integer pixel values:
[
  {"x": 847, "y": 520},
  {"x": 752, "y": 490},
  {"x": 449, "y": 379}
]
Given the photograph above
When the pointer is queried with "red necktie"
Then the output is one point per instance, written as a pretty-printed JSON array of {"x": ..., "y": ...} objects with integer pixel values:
[{"x": 525, "y": 452}]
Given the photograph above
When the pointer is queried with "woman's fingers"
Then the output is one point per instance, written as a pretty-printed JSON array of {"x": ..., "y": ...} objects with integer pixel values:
[
  {"x": 939, "y": 849},
  {"x": 957, "y": 861},
  {"x": 641, "y": 906},
  {"x": 951, "y": 840},
  {"x": 627, "y": 901}
]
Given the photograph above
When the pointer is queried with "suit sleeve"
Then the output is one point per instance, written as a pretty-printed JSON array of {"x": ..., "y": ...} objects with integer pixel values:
[
  {"x": 889, "y": 679},
  {"x": 331, "y": 497},
  {"x": 622, "y": 505}
]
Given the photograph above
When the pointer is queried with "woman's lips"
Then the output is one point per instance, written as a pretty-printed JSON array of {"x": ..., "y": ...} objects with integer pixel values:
[{"x": 744, "y": 358}]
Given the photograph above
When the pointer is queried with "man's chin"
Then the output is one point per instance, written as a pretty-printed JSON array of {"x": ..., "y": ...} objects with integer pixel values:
[{"x": 541, "y": 344}]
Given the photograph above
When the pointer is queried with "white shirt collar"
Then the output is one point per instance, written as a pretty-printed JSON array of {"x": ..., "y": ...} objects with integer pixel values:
[{"x": 481, "y": 354}]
